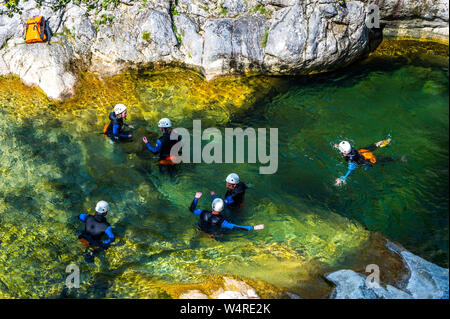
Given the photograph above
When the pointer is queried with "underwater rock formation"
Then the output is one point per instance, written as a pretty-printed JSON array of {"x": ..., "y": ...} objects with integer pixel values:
[{"x": 426, "y": 281}]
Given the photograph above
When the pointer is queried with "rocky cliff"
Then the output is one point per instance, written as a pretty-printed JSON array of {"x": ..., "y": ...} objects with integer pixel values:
[
  {"x": 419, "y": 19},
  {"x": 213, "y": 37}
]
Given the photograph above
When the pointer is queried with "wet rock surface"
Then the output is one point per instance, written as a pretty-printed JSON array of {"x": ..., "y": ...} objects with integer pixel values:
[
  {"x": 426, "y": 281},
  {"x": 215, "y": 38},
  {"x": 271, "y": 37}
]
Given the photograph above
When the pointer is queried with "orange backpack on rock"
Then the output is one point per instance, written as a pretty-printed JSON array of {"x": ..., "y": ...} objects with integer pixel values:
[{"x": 35, "y": 31}]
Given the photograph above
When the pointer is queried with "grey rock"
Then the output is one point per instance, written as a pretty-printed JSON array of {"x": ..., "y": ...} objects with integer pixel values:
[
  {"x": 426, "y": 281},
  {"x": 350, "y": 285},
  {"x": 287, "y": 36},
  {"x": 191, "y": 40},
  {"x": 415, "y": 18},
  {"x": 216, "y": 38},
  {"x": 42, "y": 65}
]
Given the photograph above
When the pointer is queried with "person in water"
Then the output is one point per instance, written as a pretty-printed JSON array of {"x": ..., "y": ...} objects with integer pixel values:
[
  {"x": 96, "y": 227},
  {"x": 363, "y": 156},
  {"x": 234, "y": 196},
  {"x": 115, "y": 128},
  {"x": 212, "y": 222},
  {"x": 164, "y": 145}
]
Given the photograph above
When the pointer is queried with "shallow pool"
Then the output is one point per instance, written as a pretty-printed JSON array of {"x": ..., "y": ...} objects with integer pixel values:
[{"x": 55, "y": 165}]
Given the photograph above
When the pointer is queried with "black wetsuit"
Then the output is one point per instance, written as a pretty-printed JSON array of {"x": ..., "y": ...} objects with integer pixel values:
[
  {"x": 163, "y": 146},
  {"x": 95, "y": 228},
  {"x": 355, "y": 159},
  {"x": 212, "y": 223},
  {"x": 115, "y": 129},
  {"x": 235, "y": 197}
]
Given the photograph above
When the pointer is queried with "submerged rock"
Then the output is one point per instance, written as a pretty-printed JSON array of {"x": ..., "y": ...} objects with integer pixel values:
[{"x": 426, "y": 281}]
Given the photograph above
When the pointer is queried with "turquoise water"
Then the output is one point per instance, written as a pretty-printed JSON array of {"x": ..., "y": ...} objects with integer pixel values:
[{"x": 55, "y": 166}]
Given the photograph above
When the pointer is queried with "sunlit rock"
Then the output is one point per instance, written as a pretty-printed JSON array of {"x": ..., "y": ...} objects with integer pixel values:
[{"x": 426, "y": 281}]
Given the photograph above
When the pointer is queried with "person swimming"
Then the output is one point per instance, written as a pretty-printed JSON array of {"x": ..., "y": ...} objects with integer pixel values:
[
  {"x": 363, "y": 156},
  {"x": 212, "y": 222}
]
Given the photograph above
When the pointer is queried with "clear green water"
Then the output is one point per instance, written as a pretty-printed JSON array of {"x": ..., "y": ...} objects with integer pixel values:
[{"x": 54, "y": 166}]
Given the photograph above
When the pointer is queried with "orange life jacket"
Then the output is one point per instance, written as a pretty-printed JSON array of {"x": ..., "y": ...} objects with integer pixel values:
[
  {"x": 168, "y": 161},
  {"x": 105, "y": 128},
  {"x": 35, "y": 31},
  {"x": 368, "y": 155}
]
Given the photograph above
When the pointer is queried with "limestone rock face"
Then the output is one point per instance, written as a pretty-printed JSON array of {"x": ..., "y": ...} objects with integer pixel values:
[
  {"x": 214, "y": 37},
  {"x": 426, "y": 281},
  {"x": 426, "y": 19}
]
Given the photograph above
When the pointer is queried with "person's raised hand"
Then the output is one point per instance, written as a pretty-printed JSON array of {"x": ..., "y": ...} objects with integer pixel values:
[
  {"x": 340, "y": 182},
  {"x": 198, "y": 195},
  {"x": 212, "y": 193},
  {"x": 144, "y": 139},
  {"x": 258, "y": 227}
]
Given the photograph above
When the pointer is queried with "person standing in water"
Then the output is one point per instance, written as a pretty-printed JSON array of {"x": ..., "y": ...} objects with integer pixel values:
[
  {"x": 234, "y": 196},
  {"x": 115, "y": 128},
  {"x": 164, "y": 145},
  {"x": 363, "y": 156},
  {"x": 212, "y": 222},
  {"x": 96, "y": 227}
]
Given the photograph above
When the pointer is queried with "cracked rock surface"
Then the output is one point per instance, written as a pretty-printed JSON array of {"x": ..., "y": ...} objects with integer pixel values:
[{"x": 216, "y": 38}]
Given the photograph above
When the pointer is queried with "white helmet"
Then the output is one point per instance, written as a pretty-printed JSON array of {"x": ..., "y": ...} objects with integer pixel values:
[
  {"x": 345, "y": 147},
  {"x": 119, "y": 108},
  {"x": 217, "y": 205},
  {"x": 233, "y": 178},
  {"x": 164, "y": 123},
  {"x": 102, "y": 207}
]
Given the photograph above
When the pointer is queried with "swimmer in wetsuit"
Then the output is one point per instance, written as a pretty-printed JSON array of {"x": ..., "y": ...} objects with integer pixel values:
[
  {"x": 115, "y": 128},
  {"x": 235, "y": 194},
  {"x": 212, "y": 222},
  {"x": 363, "y": 156},
  {"x": 164, "y": 145},
  {"x": 96, "y": 227}
]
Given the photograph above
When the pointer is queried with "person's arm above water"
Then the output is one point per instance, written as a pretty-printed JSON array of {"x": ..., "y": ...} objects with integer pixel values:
[
  {"x": 83, "y": 217},
  {"x": 351, "y": 167},
  {"x": 117, "y": 134},
  {"x": 229, "y": 225},
  {"x": 227, "y": 201},
  {"x": 376, "y": 145},
  {"x": 239, "y": 190},
  {"x": 110, "y": 235},
  {"x": 155, "y": 149},
  {"x": 193, "y": 208}
]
